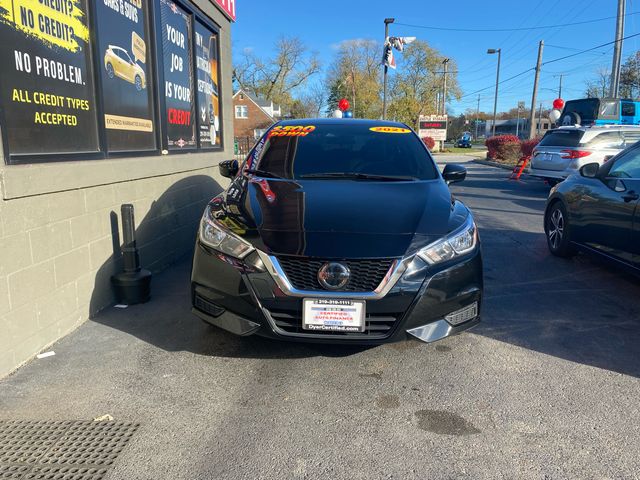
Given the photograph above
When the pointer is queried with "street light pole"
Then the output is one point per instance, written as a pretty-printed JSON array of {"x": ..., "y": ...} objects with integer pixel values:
[
  {"x": 445, "y": 62},
  {"x": 387, "y": 21},
  {"x": 477, "y": 116},
  {"x": 495, "y": 100}
]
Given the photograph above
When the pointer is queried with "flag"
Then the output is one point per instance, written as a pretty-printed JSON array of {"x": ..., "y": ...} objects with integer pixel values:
[
  {"x": 390, "y": 43},
  {"x": 387, "y": 56},
  {"x": 399, "y": 42}
]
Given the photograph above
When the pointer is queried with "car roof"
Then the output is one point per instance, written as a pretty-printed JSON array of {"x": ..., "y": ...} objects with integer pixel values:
[
  {"x": 342, "y": 121},
  {"x": 597, "y": 128}
]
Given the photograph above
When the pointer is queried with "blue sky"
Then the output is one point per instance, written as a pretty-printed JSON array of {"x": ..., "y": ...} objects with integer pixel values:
[{"x": 323, "y": 24}]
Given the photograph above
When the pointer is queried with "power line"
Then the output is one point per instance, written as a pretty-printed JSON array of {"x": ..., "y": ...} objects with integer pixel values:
[
  {"x": 430, "y": 27},
  {"x": 588, "y": 49},
  {"x": 499, "y": 83},
  {"x": 546, "y": 63}
]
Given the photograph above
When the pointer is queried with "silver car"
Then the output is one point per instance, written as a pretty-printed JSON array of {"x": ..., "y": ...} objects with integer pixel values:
[{"x": 562, "y": 151}]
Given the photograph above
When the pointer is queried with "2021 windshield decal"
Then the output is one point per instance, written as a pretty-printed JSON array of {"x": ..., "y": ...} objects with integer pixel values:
[{"x": 390, "y": 130}]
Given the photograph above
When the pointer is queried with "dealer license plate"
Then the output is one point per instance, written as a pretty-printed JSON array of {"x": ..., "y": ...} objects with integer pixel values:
[{"x": 333, "y": 315}]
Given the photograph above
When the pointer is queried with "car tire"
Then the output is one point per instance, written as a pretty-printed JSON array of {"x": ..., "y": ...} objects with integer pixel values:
[
  {"x": 558, "y": 231},
  {"x": 138, "y": 83},
  {"x": 110, "y": 72},
  {"x": 571, "y": 118}
]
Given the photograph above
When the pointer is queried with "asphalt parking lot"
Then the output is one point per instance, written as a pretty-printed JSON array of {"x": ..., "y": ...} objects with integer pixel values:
[{"x": 546, "y": 387}]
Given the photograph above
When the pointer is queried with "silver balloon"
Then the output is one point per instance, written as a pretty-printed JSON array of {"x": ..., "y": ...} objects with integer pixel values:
[
  {"x": 337, "y": 113},
  {"x": 554, "y": 115}
]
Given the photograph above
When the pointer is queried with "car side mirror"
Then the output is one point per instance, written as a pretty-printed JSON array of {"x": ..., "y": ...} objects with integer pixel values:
[
  {"x": 228, "y": 168},
  {"x": 454, "y": 173},
  {"x": 590, "y": 170}
]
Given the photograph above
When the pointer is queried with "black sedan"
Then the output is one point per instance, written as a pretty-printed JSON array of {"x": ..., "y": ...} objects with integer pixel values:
[
  {"x": 338, "y": 231},
  {"x": 597, "y": 211}
]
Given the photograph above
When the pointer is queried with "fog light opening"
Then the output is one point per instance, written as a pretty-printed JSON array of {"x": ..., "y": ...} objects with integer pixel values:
[{"x": 463, "y": 315}]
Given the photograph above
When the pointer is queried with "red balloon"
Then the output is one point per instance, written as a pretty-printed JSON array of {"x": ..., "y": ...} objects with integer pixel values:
[
  {"x": 558, "y": 103},
  {"x": 343, "y": 104}
]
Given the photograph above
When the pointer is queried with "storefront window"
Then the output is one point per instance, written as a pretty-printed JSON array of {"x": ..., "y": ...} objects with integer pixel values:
[
  {"x": 126, "y": 74},
  {"x": 178, "y": 76},
  {"x": 46, "y": 79},
  {"x": 53, "y": 108},
  {"x": 208, "y": 87}
]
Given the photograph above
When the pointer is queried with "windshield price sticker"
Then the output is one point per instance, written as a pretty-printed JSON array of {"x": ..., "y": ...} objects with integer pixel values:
[
  {"x": 291, "y": 131},
  {"x": 390, "y": 130}
]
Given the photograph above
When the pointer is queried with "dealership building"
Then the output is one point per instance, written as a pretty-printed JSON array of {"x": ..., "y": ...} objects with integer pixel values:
[{"x": 102, "y": 103}]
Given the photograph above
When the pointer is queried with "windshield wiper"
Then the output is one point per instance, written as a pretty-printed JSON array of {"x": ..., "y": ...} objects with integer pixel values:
[
  {"x": 262, "y": 173},
  {"x": 359, "y": 176}
]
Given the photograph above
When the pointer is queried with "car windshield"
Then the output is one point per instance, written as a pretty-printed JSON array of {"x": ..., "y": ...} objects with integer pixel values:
[
  {"x": 344, "y": 151},
  {"x": 561, "y": 138}
]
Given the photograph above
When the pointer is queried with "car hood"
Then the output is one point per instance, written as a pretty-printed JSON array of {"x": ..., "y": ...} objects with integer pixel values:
[{"x": 341, "y": 218}]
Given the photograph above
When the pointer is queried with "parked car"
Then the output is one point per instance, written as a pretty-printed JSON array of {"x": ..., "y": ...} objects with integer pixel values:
[
  {"x": 119, "y": 63},
  {"x": 562, "y": 151},
  {"x": 463, "y": 143},
  {"x": 600, "y": 111},
  {"x": 338, "y": 231},
  {"x": 597, "y": 210}
]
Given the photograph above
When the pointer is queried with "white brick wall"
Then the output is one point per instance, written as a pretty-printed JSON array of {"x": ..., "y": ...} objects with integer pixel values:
[{"x": 56, "y": 252}]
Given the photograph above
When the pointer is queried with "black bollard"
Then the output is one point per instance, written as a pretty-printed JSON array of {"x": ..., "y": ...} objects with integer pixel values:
[{"x": 133, "y": 285}]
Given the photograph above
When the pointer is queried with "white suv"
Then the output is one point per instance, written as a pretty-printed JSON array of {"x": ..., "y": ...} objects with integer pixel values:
[{"x": 562, "y": 151}]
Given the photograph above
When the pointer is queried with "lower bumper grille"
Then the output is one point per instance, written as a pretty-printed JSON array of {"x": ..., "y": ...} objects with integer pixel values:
[{"x": 376, "y": 326}]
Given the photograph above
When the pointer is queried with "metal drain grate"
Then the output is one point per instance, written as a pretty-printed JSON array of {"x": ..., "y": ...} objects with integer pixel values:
[{"x": 66, "y": 450}]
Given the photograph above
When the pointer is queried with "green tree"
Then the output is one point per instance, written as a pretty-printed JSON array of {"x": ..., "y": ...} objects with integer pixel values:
[
  {"x": 416, "y": 81},
  {"x": 354, "y": 74},
  {"x": 630, "y": 76}
]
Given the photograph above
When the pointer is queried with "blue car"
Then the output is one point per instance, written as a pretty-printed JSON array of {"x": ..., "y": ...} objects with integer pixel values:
[{"x": 600, "y": 111}]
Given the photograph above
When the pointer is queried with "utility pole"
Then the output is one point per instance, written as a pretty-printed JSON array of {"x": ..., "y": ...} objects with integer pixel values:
[
  {"x": 560, "y": 87},
  {"x": 445, "y": 62},
  {"x": 387, "y": 21},
  {"x": 477, "y": 116},
  {"x": 532, "y": 116},
  {"x": 617, "y": 51},
  {"x": 520, "y": 107},
  {"x": 540, "y": 119},
  {"x": 495, "y": 100}
]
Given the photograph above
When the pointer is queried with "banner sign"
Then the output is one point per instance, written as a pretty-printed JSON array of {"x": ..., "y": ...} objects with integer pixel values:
[
  {"x": 434, "y": 126},
  {"x": 208, "y": 92},
  {"x": 178, "y": 74},
  {"x": 228, "y": 7},
  {"x": 46, "y": 79},
  {"x": 127, "y": 80}
]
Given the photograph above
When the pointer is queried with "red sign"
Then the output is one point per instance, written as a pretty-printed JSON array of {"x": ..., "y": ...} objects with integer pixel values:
[
  {"x": 228, "y": 7},
  {"x": 431, "y": 124}
]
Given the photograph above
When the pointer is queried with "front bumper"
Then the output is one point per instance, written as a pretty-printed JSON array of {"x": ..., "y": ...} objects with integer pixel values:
[{"x": 245, "y": 302}]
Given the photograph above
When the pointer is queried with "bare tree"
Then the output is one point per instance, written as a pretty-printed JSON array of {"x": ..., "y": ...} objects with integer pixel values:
[
  {"x": 598, "y": 86},
  {"x": 278, "y": 77}
]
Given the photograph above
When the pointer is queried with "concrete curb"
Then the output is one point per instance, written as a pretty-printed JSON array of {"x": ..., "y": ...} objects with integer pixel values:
[{"x": 491, "y": 163}]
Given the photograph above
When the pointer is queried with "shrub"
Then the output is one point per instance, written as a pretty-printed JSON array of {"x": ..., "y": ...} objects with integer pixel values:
[
  {"x": 503, "y": 147},
  {"x": 429, "y": 142},
  {"x": 527, "y": 146}
]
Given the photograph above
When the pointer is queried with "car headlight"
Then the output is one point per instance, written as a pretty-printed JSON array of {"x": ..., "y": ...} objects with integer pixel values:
[
  {"x": 218, "y": 237},
  {"x": 457, "y": 243}
]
